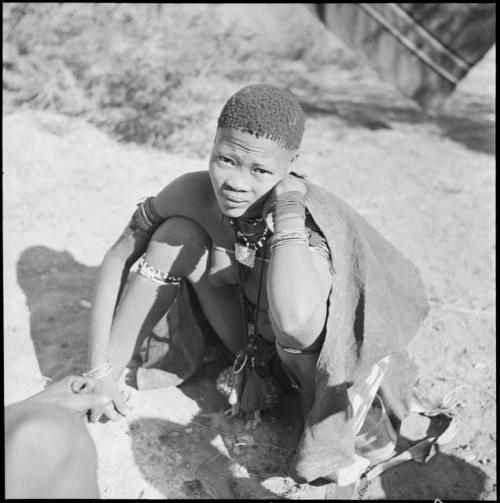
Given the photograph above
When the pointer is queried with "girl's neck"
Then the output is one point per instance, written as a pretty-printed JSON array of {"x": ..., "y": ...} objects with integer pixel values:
[{"x": 250, "y": 225}]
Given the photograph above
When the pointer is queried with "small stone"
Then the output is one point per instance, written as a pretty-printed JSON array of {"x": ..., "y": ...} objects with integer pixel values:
[
  {"x": 245, "y": 438},
  {"x": 85, "y": 303},
  {"x": 176, "y": 458},
  {"x": 174, "y": 434},
  {"x": 189, "y": 430},
  {"x": 237, "y": 450},
  {"x": 194, "y": 486}
]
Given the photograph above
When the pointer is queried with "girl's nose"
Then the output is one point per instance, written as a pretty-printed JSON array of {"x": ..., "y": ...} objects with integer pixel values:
[{"x": 237, "y": 184}]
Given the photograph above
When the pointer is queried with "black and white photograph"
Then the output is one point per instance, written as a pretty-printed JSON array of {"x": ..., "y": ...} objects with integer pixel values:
[{"x": 249, "y": 251}]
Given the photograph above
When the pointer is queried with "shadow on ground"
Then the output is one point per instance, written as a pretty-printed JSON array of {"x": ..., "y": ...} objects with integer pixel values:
[
  {"x": 58, "y": 291},
  {"x": 202, "y": 460},
  {"x": 445, "y": 477}
]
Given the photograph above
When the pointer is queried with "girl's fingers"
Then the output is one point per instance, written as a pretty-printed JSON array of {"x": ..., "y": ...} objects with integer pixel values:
[
  {"x": 121, "y": 404},
  {"x": 111, "y": 413},
  {"x": 95, "y": 415},
  {"x": 126, "y": 394}
]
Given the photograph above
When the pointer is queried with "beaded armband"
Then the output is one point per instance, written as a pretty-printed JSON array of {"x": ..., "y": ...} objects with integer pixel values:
[{"x": 162, "y": 278}]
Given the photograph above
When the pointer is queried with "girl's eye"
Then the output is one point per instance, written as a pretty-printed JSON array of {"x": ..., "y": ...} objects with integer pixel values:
[
  {"x": 261, "y": 171},
  {"x": 225, "y": 160}
]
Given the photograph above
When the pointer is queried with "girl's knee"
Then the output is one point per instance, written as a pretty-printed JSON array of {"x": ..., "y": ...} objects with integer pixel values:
[
  {"x": 181, "y": 231},
  {"x": 179, "y": 247}
]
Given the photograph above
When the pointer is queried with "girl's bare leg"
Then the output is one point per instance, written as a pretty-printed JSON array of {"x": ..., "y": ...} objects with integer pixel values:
[
  {"x": 179, "y": 247},
  {"x": 302, "y": 368}
]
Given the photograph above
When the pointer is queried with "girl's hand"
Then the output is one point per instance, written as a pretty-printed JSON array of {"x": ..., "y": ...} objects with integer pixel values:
[
  {"x": 288, "y": 184},
  {"x": 117, "y": 406},
  {"x": 291, "y": 183}
]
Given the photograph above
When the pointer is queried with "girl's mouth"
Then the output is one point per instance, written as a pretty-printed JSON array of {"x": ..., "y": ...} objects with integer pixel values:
[{"x": 232, "y": 199}]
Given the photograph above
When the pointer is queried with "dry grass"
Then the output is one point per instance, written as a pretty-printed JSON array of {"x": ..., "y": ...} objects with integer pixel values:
[{"x": 149, "y": 73}]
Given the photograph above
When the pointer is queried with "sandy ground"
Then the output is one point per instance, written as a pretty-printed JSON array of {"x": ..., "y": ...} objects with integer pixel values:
[{"x": 427, "y": 184}]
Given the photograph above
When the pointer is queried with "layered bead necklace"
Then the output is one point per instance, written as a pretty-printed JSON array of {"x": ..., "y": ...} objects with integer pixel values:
[
  {"x": 248, "y": 383},
  {"x": 245, "y": 250}
]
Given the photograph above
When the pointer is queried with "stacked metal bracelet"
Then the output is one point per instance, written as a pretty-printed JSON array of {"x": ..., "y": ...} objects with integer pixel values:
[
  {"x": 99, "y": 371},
  {"x": 162, "y": 278},
  {"x": 289, "y": 237},
  {"x": 289, "y": 204}
]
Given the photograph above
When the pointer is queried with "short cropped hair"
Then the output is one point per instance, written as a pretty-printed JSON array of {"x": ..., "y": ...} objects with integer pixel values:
[{"x": 267, "y": 111}]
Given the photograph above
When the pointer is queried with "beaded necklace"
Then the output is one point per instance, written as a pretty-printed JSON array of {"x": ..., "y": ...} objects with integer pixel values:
[
  {"x": 252, "y": 365},
  {"x": 245, "y": 250},
  {"x": 246, "y": 360}
]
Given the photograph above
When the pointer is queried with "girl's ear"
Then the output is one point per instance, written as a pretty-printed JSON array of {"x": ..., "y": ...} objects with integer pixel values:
[{"x": 292, "y": 161}]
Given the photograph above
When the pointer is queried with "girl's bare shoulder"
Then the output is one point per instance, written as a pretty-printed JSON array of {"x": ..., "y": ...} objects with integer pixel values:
[{"x": 191, "y": 195}]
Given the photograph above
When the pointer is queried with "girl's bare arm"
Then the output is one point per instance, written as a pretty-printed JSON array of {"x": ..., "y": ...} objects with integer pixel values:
[
  {"x": 188, "y": 196},
  {"x": 111, "y": 279}
]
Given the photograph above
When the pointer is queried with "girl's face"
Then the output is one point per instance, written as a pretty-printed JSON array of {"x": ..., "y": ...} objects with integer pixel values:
[{"x": 244, "y": 169}]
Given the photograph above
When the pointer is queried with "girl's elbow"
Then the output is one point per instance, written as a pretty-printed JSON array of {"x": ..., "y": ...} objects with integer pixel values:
[
  {"x": 299, "y": 329},
  {"x": 295, "y": 329}
]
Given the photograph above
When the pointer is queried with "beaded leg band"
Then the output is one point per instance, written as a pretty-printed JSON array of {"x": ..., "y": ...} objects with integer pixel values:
[{"x": 156, "y": 276}]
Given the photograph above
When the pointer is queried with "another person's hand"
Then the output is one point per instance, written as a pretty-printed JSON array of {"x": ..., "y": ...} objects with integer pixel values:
[
  {"x": 117, "y": 406},
  {"x": 78, "y": 394}
]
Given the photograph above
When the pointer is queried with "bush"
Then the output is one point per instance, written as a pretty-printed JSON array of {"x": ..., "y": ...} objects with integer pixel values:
[{"x": 153, "y": 74}]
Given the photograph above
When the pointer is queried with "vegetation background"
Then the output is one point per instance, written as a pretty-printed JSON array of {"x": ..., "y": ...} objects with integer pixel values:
[{"x": 150, "y": 74}]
